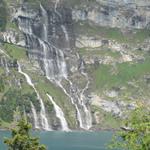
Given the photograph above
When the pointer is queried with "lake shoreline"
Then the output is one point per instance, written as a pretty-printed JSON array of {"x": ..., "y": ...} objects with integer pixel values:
[
  {"x": 80, "y": 130},
  {"x": 67, "y": 141}
]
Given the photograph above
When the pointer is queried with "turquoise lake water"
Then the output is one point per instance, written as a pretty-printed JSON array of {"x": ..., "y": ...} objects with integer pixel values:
[{"x": 68, "y": 141}]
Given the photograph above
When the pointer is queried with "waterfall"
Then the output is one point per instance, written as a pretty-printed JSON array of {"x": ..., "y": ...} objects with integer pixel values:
[
  {"x": 59, "y": 114},
  {"x": 36, "y": 124},
  {"x": 56, "y": 4},
  {"x": 88, "y": 117},
  {"x": 79, "y": 118},
  {"x": 55, "y": 67},
  {"x": 62, "y": 26},
  {"x": 7, "y": 69},
  {"x": 65, "y": 32},
  {"x": 45, "y": 23},
  {"x": 82, "y": 97},
  {"x": 3, "y": 52},
  {"x": 44, "y": 120},
  {"x": 6, "y": 65},
  {"x": 52, "y": 60},
  {"x": 86, "y": 121},
  {"x": 49, "y": 66}
]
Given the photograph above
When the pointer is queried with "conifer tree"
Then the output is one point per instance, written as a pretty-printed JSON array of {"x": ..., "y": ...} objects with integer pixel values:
[{"x": 21, "y": 138}]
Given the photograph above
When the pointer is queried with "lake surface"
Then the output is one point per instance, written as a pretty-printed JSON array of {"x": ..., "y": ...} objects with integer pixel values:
[{"x": 68, "y": 141}]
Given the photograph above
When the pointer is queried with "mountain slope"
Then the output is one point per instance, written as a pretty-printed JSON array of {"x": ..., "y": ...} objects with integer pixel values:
[{"x": 91, "y": 57}]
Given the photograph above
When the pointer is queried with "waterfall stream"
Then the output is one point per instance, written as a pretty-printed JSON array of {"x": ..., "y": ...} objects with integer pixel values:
[
  {"x": 7, "y": 69},
  {"x": 53, "y": 62},
  {"x": 82, "y": 97},
  {"x": 44, "y": 120},
  {"x": 59, "y": 114},
  {"x": 36, "y": 124},
  {"x": 3, "y": 52},
  {"x": 5, "y": 61},
  {"x": 65, "y": 32},
  {"x": 52, "y": 65},
  {"x": 79, "y": 118},
  {"x": 88, "y": 119}
]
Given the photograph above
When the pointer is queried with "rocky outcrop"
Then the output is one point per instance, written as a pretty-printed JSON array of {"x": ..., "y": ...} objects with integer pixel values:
[
  {"x": 13, "y": 37},
  {"x": 115, "y": 13},
  {"x": 88, "y": 42},
  {"x": 117, "y": 108}
]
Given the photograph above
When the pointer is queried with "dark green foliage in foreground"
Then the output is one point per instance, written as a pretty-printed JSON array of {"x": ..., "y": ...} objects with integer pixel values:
[
  {"x": 21, "y": 138},
  {"x": 13, "y": 99},
  {"x": 136, "y": 135}
]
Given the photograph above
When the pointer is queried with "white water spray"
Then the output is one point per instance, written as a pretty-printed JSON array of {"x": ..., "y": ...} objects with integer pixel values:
[
  {"x": 44, "y": 120},
  {"x": 59, "y": 114},
  {"x": 88, "y": 117},
  {"x": 54, "y": 61},
  {"x": 36, "y": 124},
  {"x": 49, "y": 47},
  {"x": 3, "y": 52},
  {"x": 65, "y": 32},
  {"x": 79, "y": 118}
]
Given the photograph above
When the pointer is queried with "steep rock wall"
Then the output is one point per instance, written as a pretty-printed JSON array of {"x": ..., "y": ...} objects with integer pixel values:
[{"x": 115, "y": 13}]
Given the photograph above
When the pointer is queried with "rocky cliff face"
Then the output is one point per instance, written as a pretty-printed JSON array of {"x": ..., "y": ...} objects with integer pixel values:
[
  {"x": 115, "y": 13},
  {"x": 75, "y": 63}
]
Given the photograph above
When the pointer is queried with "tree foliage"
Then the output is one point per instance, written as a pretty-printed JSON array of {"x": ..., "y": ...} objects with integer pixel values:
[
  {"x": 21, "y": 138},
  {"x": 136, "y": 133},
  {"x": 14, "y": 98}
]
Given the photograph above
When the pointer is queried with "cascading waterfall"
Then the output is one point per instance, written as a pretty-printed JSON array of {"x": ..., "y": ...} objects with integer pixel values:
[
  {"x": 4, "y": 64},
  {"x": 7, "y": 69},
  {"x": 66, "y": 36},
  {"x": 53, "y": 61},
  {"x": 88, "y": 119},
  {"x": 65, "y": 32},
  {"x": 56, "y": 4},
  {"x": 82, "y": 97},
  {"x": 62, "y": 26},
  {"x": 79, "y": 118},
  {"x": 44, "y": 120},
  {"x": 3, "y": 52},
  {"x": 59, "y": 114},
  {"x": 52, "y": 64},
  {"x": 36, "y": 124},
  {"x": 60, "y": 62}
]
